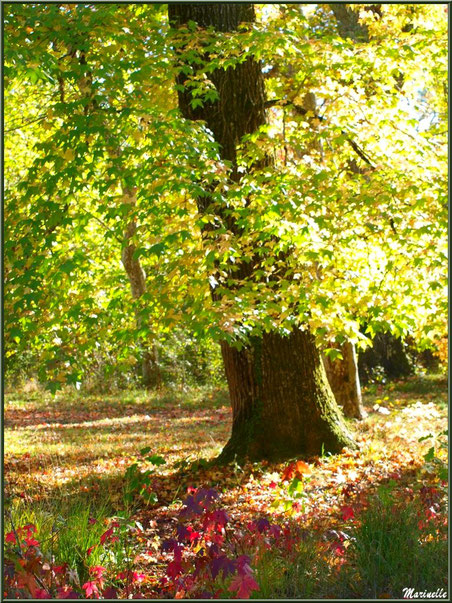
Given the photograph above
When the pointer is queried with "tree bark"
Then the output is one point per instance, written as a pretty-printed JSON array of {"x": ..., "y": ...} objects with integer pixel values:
[
  {"x": 348, "y": 24},
  {"x": 150, "y": 373},
  {"x": 344, "y": 381},
  {"x": 389, "y": 355},
  {"x": 282, "y": 404},
  {"x": 281, "y": 401}
]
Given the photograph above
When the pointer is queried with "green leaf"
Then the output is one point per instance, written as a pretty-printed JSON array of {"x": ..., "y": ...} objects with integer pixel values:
[
  {"x": 196, "y": 102},
  {"x": 158, "y": 248},
  {"x": 430, "y": 455},
  {"x": 427, "y": 437},
  {"x": 443, "y": 473},
  {"x": 68, "y": 266},
  {"x": 150, "y": 497},
  {"x": 295, "y": 486},
  {"x": 333, "y": 353},
  {"x": 155, "y": 459}
]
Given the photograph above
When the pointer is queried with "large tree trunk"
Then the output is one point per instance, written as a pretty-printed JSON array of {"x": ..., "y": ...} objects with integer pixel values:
[
  {"x": 282, "y": 404},
  {"x": 343, "y": 378},
  {"x": 281, "y": 401}
]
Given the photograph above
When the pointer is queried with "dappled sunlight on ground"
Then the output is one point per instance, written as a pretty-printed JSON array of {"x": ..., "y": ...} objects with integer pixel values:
[
  {"x": 74, "y": 451},
  {"x": 51, "y": 444},
  {"x": 71, "y": 446}
]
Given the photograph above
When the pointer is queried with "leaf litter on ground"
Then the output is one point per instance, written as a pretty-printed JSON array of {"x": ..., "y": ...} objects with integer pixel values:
[{"x": 64, "y": 450}]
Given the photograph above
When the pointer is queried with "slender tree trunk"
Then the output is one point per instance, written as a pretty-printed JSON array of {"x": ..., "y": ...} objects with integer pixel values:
[
  {"x": 344, "y": 381},
  {"x": 342, "y": 373},
  {"x": 385, "y": 346},
  {"x": 149, "y": 361},
  {"x": 281, "y": 401}
]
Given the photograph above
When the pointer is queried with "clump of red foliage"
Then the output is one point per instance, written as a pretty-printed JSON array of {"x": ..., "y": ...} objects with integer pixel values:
[{"x": 206, "y": 558}]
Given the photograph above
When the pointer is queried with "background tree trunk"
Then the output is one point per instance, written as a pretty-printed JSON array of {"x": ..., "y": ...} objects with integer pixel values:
[
  {"x": 388, "y": 357},
  {"x": 150, "y": 373},
  {"x": 388, "y": 353},
  {"x": 344, "y": 381},
  {"x": 281, "y": 401}
]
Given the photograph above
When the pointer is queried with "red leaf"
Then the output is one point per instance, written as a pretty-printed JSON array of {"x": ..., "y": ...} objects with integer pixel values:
[
  {"x": 97, "y": 571},
  {"x": 288, "y": 472},
  {"x": 110, "y": 593},
  {"x": 121, "y": 576},
  {"x": 106, "y": 535},
  {"x": 90, "y": 550},
  {"x": 302, "y": 468},
  {"x": 193, "y": 535},
  {"x": 10, "y": 537},
  {"x": 136, "y": 577},
  {"x": 347, "y": 513},
  {"x": 174, "y": 569},
  {"x": 41, "y": 594},
  {"x": 243, "y": 584},
  {"x": 275, "y": 531},
  {"x": 90, "y": 589},
  {"x": 297, "y": 469}
]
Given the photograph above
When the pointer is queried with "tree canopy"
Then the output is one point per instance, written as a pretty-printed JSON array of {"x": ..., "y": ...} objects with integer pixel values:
[{"x": 348, "y": 219}]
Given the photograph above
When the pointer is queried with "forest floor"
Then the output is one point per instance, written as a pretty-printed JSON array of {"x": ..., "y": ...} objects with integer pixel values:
[{"x": 67, "y": 472}]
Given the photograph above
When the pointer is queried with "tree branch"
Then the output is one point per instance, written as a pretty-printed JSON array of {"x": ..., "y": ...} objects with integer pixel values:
[{"x": 302, "y": 111}]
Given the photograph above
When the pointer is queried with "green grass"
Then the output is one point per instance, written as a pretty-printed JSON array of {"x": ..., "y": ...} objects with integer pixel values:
[
  {"x": 69, "y": 401},
  {"x": 64, "y": 530},
  {"x": 387, "y": 553},
  {"x": 306, "y": 575},
  {"x": 422, "y": 384},
  {"x": 390, "y": 552}
]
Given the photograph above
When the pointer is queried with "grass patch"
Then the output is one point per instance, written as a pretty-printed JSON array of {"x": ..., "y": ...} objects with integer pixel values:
[
  {"x": 394, "y": 544},
  {"x": 66, "y": 529},
  {"x": 392, "y": 549},
  {"x": 304, "y": 575},
  {"x": 422, "y": 384}
]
